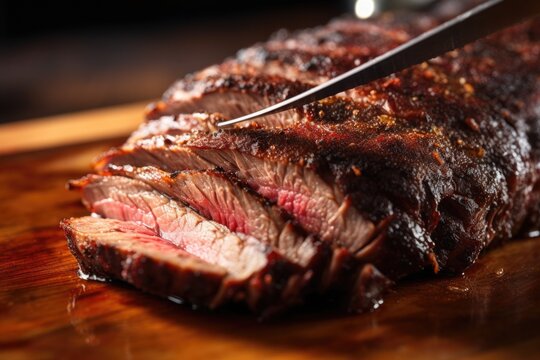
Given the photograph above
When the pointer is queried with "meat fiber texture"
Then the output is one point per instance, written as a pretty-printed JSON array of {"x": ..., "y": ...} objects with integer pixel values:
[{"x": 333, "y": 201}]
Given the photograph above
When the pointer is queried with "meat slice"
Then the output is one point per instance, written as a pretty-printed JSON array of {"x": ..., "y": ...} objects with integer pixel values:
[
  {"x": 315, "y": 55},
  {"x": 230, "y": 95},
  {"x": 289, "y": 63},
  {"x": 131, "y": 252},
  {"x": 176, "y": 125},
  {"x": 248, "y": 261},
  {"x": 319, "y": 207},
  {"x": 130, "y": 200},
  {"x": 215, "y": 196},
  {"x": 109, "y": 248}
]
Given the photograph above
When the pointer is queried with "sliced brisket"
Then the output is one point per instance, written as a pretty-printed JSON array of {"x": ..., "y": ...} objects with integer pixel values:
[
  {"x": 319, "y": 207},
  {"x": 176, "y": 125},
  {"x": 215, "y": 196},
  {"x": 109, "y": 248},
  {"x": 231, "y": 95},
  {"x": 284, "y": 66},
  {"x": 419, "y": 170},
  {"x": 249, "y": 262},
  {"x": 131, "y": 200}
]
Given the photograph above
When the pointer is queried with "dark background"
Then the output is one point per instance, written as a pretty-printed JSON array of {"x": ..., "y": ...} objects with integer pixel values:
[{"x": 57, "y": 58}]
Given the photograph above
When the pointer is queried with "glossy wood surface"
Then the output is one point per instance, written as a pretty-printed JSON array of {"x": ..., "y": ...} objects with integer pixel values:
[
  {"x": 46, "y": 311},
  {"x": 70, "y": 129}
]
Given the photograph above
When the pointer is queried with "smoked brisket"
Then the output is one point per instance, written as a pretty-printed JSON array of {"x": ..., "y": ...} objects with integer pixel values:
[{"x": 419, "y": 171}]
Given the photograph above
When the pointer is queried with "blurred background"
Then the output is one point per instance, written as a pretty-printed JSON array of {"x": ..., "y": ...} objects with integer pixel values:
[{"x": 57, "y": 58}]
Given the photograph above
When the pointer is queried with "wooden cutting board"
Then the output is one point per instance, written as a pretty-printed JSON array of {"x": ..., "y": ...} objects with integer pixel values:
[{"x": 46, "y": 311}]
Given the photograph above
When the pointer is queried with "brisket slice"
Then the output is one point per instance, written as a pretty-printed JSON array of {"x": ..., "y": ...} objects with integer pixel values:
[
  {"x": 257, "y": 271},
  {"x": 176, "y": 125},
  {"x": 131, "y": 200},
  {"x": 123, "y": 250},
  {"x": 316, "y": 205},
  {"x": 284, "y": 66},
  {"x": 229, "y": 94},
  {"x": 109, "y": 248},
  {"x": 315, "y": 55},
  {"x": 216, "y": 197}
]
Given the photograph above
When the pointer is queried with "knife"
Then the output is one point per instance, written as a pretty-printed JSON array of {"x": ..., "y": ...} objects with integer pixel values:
[{"x": 472, "y": 25}]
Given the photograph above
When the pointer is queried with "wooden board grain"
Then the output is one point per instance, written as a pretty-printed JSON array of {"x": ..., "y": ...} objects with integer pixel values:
[
  {"x": 46, "y": 311},
  {"x": 70, "y": 129}
]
